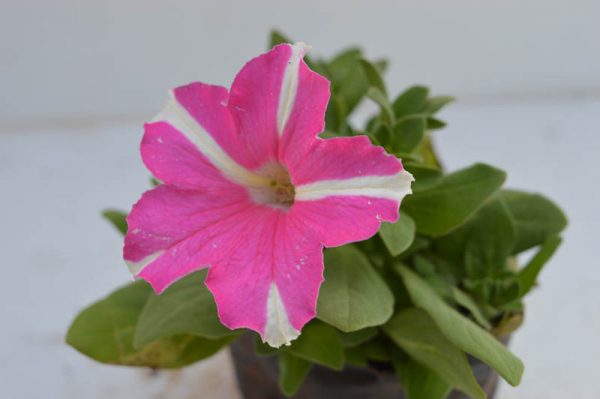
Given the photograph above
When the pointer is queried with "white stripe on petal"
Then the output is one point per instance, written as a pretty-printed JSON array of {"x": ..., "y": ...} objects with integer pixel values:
[
  {"x": 393, "y": 187},
  {"x": 178, "y": 117},
  {"x": 136, "y": 267},
  {"x": 278, "y": 330},
  {"x": 289, "y": 85}
]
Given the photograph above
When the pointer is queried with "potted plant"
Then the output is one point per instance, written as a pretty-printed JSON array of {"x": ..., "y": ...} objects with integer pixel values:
[{"x": 417, "y": 303}]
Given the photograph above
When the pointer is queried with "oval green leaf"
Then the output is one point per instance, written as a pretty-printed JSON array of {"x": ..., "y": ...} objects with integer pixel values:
[
  {"x": 418, "y": 381},
  {"x": 185, "y": 307},
  {"x": 411, "y": 101},
  {"x": 535, "y": 217},
  {"x": 319, "y": 343},
  {"x": 353, "y": 295},
  {"x": 117, "y": 218},
  {"x": 292, "y": 371},
  {"x": 398, "y": 236},
  {"x": 452, "y": 199},
  {"x": 408, "y": 133},
  {"x": 104, "y": 331},
  {"x": 373, "y": 76}
]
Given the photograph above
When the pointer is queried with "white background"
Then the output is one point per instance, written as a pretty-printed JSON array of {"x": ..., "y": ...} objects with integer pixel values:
[{"x": 78, "y": 79}]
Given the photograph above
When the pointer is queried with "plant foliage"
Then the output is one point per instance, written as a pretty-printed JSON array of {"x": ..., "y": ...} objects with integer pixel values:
[{"x": 439, "y": 285}]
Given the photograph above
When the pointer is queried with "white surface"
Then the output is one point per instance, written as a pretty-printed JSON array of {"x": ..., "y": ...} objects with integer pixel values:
[
  {"x": 59, "y": 255},
  {"x": 112, "y": 59}
]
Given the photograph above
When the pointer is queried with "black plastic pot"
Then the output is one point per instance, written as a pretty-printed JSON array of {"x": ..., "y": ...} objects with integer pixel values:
[{"x": 257, "y": 378}]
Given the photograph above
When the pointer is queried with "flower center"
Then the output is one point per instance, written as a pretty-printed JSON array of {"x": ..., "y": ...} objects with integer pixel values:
[
  {"x": 283, "y": 191},
  {"x": 280, "y": 190}
]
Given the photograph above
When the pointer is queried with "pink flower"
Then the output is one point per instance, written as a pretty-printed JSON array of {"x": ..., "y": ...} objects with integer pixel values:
[{"x": 251, "y": 192}]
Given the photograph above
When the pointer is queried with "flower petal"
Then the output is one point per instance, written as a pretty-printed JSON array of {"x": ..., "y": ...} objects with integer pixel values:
[
  {"x": 266, "y": 266},
  {"x": 199, "y": 113},
  {"x": 342, "y": 219},
  {"x": 340, "y": 158},
  {"x": 173, "y": 231},
  {"x": 272, "y": 281},
  {"x": 346, "y": 187},
  {"x": 304, "y": 110},
  {"x": 174, "y": 159},
  {"x": 275, "y": 95}
]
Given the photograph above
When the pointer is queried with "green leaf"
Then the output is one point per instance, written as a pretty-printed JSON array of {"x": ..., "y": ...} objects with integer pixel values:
[
  {"x": 408, "y": 133},
  {"x": 418, "y": 381},
  {"x": 319, "y": 343},
  {"x": 411, "y": 101},
  {"x": 464, "y": 300},
  {"x": 425, "y": 176},
  {"x": 481, "y": 247},
  {"x": 499, "y": 292},
  {"x": 378, "y": 350},
  {"x": 380, "y": 99},
  {"x": 461, "y": 331},
  {"x": 427, "y": 151},
  {"x": 292, "y": 372},
  {"x": 348, "y": 80},
  {"x": 154, "y": 181},
  {"x": 336, "y": 114},
  {"x": 448, "y": 203},
  {"x": 353, "y": 296},
  {"x": 185, "y": 307},
  {"x": 117, "y": 218},
  {"x": 491, "y": 238},
  {"x": 424, "y": 266},
  {"x": 416, "y": 333},
  {"x": 398, "y": 236},
  {"x": 276, "y": 37},
  {"x": 373, "y": 76},
  {"x": 356, "y": 355},
  {"x": 383, "y": 135},
  {"x": 358, "y": 337},
  {"x": 528, "y": 275},
  {"x": 104, "y": 331},
  {"x": 409, "y": 157},
  {"x": 434, "y": 123},
  {"x": 381, "y": 65},
  {"x": 536, "y": 218},
  {"x": 508, "y": 324},
  {"x": 434, "y": 104},
  {"x": 262, "y": 348},
  {"x": 419, "y": 243}
]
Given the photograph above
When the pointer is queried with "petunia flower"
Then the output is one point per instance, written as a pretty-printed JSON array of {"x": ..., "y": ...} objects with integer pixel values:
[{"x": 252, "y": 193}]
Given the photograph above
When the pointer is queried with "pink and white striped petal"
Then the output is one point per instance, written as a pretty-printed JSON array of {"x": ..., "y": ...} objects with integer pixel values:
[
  {"x": 276, "y": 97},
  {"x": 271, "y": 282},
  {"x": 266, "y": 266},
  {"x": 174, "y": 231},
  {"x": 199, "y": 112},
  {"x": 346, "y": 187},
  {"x": 303, "y": 111},
  {"x": 174, "y": 159}
]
